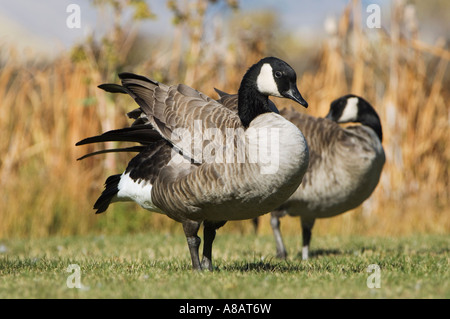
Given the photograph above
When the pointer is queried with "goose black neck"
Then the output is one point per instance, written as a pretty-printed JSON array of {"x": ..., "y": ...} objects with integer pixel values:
[
  {"x": 251, "y": 102},
  {"x": 371, "y": 119}
]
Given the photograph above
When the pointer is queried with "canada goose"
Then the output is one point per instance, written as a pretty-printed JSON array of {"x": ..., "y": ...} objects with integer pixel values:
[
  {"x": 344, "y": 167},
  {"x": 172, "y": 177}
]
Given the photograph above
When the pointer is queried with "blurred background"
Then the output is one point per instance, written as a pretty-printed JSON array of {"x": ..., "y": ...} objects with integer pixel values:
[{"x": 393, "y": 53}]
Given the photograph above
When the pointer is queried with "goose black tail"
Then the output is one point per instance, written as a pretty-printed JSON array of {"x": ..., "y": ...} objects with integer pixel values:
[{"x": 111, "y": 189}]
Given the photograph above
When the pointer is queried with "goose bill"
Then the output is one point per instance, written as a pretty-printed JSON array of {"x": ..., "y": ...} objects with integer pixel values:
[{"x": 295, "y": 95}]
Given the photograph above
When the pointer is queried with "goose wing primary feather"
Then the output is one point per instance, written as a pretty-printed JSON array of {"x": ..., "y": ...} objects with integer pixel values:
[{"x": 138, "y": 133}]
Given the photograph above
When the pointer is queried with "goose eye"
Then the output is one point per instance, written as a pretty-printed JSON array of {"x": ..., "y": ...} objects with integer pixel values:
[{"x": 278, "y": 74}]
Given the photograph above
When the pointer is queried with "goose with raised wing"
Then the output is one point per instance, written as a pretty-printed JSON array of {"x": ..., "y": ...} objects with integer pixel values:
[{"x": 200, "y": 162}]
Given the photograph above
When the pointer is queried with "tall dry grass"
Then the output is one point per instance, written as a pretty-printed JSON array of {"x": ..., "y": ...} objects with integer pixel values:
[
  {"x": 404, "y": 79},
  {"x": 45, "y": 110}
]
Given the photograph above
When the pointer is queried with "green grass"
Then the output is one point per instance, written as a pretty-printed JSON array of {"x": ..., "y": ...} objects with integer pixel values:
[{"x": 158, "y": 266}]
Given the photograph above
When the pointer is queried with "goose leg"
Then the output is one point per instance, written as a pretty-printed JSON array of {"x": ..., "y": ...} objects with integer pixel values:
[
  {"x": 255, "y": 222},
  {"x": 275, "y": 223},
  {"x": 209, "y": 233},
  {"x": 190, "y": 230},
  {"x": 307, "y": 225}
]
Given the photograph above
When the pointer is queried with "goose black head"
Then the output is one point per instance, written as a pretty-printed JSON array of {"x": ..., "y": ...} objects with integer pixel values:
[
  {"x": 277, "y": 78},
  {"x": 269, "y": 77},
  {"x": 352, "y": 108}
]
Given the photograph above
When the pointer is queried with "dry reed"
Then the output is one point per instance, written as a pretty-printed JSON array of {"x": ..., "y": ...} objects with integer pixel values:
[{"x": 45, "y": 110}]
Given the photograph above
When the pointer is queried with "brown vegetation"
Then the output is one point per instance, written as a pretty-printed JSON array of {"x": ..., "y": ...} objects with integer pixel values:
[{"x": 45, "y": 110}]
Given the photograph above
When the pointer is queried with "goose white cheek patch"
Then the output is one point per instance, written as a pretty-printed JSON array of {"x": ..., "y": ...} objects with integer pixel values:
[
  {"x": 266, "y": 83},
  {"x": 350, "y": 111}
]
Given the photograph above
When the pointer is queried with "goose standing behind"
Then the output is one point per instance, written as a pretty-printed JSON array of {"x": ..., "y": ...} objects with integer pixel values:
[
  {"x": 344, "y": 169},
  {"x": 172, "y": 177}
]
